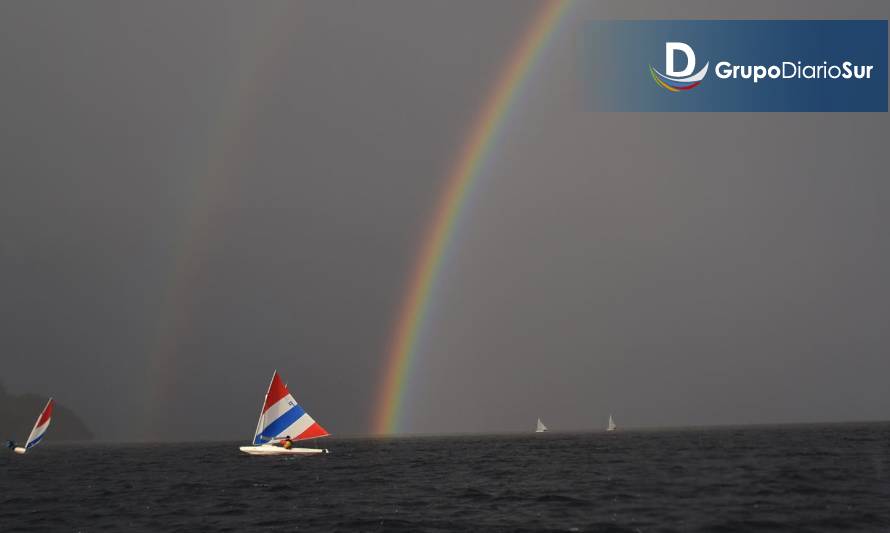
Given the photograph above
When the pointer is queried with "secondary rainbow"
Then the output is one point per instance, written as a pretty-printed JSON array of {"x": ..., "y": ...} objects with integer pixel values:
[
  {"x": 258, "y": 61},
  {"x": 484, "y": 131}
]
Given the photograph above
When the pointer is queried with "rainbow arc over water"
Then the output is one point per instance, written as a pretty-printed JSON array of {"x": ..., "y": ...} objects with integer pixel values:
[{"x": 486, "y": 127}]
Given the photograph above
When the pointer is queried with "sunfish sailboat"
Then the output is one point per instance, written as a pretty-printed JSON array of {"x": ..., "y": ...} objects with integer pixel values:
[
  {"x": 541, "y": 427},
  {"x": 281, "y": 418},
  {"x": 611, "y": 426},
  {"x": 39, "y": 430}
]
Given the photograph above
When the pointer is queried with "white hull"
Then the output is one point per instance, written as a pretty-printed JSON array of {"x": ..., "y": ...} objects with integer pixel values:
[
  {"x": 265, "y": 449},
  {"x": 19, "y": 449}
]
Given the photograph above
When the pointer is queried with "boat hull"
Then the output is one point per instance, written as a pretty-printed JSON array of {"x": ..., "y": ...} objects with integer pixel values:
[
  {"x": 265, "y": 449},
  {"x": 19, "y": 449}
]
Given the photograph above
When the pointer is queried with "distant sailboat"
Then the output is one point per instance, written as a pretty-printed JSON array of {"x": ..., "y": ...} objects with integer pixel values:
[
  {"x": 611, "y": 426},
  {"x": 39, "y": 430},
  {"x": 541, "y": 427},
  {"x": 282, "y": 419}
]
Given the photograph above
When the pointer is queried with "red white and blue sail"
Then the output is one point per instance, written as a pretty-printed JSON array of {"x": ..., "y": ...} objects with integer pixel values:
[
  {"x": 283, "y": 417},
  {"x": 40, "y": 426}
]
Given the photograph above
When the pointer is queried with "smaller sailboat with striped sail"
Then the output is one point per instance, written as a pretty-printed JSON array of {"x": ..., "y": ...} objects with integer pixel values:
[
  {"x": 541, "y": 427},
  {"x": 282, "y": 423},
  {"x": 38, "y": 431}
]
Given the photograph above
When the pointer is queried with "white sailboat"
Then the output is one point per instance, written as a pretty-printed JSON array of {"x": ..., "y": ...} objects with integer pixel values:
[
  {"x": 611, "y": 426},
  {"x": 282, "y": 422},
  {"x": 38, "y": 431},
  {"x": 541, "y": 427}
]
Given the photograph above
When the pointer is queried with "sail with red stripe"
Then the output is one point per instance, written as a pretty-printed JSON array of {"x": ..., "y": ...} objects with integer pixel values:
[
  {"x": 282, "y": 417},
  {"x": 41, "y": 425}
]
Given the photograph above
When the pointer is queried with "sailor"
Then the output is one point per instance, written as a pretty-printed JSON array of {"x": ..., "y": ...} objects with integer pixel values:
[
  {"x": 10, "y": 444},
  {"x": 287, "y": 443}
]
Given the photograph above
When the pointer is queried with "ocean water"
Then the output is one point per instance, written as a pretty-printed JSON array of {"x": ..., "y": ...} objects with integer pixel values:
[{"x": 791, "y": 478}]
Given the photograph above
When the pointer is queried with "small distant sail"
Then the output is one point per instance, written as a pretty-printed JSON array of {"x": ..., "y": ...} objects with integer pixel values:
[
  {"x": 541, "y": 427},
  {"x": 40, "y": 427},
  {"x": 611, "y": 426},
  {"x": 282, "y": 417}
]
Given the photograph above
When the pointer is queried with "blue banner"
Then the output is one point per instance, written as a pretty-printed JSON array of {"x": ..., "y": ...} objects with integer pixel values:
[{"x": 735, "y": 65}]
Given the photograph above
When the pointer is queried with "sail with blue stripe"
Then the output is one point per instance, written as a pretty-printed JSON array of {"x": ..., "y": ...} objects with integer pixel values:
[
  {"x": 39, "y": 429},
  {"x": 282, "y": 417}
]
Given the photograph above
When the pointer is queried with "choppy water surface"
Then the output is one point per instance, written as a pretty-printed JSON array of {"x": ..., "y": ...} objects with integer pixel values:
[{"x": 794, "y": 478}]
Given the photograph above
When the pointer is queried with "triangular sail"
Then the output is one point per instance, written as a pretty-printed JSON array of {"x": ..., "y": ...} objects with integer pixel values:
[
  {"x": 40, "y": 426},
  {"x": 282, "y": 417},
  {"x": 541, "y": 427},
  {"x": 612, "y": 425}
]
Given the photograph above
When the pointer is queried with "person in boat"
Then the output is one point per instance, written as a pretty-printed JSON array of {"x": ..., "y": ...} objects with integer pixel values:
[
  {"x": 286, "y": 443},
  {"x": 10, "y": 444}
]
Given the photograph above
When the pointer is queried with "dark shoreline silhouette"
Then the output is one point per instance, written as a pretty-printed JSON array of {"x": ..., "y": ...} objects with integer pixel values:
[{"x": 18, "y": 413}]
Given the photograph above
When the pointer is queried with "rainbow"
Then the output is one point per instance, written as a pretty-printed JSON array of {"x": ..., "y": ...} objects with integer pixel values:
[
  {"x": 209, "y": 185},
  {"x": 465, "y": 170}
]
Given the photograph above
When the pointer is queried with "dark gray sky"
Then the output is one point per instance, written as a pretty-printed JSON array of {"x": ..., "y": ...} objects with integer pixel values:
[{"x": 194, "y": 194}]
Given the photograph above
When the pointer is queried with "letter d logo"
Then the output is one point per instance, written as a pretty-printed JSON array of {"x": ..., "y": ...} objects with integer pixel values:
[
  {"x": 676, "y": 81},
  {"x": 670, "y": 50}
]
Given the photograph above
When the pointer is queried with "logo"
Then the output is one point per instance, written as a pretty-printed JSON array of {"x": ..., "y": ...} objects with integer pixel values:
[
  {"x": 735, "y": 65},
  {"x": 676, "y": 81}
]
